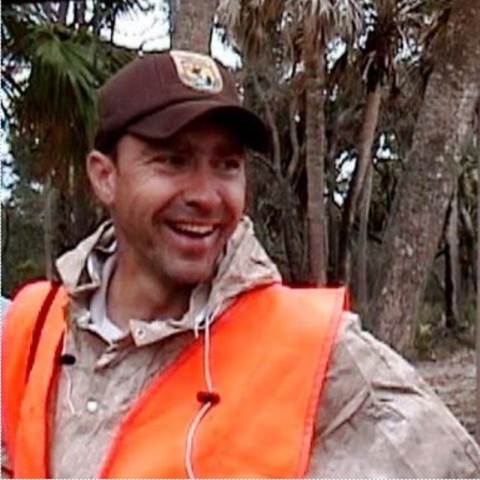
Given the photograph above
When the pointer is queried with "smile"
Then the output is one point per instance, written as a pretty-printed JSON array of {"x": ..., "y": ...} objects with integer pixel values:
[{"x": 192, "y": 229}]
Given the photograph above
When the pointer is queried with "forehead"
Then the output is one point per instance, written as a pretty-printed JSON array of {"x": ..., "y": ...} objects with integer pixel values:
[{"x": 206, "y": 133}]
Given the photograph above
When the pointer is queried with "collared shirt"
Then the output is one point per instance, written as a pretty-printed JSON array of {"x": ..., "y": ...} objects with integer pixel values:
[{"x": 100, "y": 322}]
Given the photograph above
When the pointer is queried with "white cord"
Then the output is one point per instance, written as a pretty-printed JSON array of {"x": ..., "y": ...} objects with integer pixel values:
[
  {"x": 206, "y": 406},
  {"x": 69, "y": 393},
  {"x": 190, "y": 437}
]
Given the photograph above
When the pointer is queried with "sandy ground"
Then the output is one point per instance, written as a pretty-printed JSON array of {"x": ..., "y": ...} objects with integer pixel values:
[{"x": 453, "y": 378}]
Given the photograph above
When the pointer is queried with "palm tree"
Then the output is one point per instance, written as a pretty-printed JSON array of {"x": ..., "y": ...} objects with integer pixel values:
[
  {"x": 389, "y": 25},
  {"x": 50, "y": 73},
  {"x": 293, "y": 35},
  {"x": 192, "y": 24}
]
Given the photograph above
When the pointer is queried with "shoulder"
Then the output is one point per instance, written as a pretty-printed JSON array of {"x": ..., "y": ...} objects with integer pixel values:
[
  {"x": 304, "y": 303},
  {"x": 26, "y": 298},
  {"x": 22, "y": 313},
  {"x": 300, "y": 314},
  {"x": 31, "y": 289},
  {"x": 379, "y": 418}
]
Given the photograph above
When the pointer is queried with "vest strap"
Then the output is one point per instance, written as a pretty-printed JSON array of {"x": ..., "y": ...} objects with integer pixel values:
[{"x": 39, "y": 323}]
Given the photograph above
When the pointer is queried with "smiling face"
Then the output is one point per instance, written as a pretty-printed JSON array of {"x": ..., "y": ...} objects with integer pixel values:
[{"x": 174, "y": 204}]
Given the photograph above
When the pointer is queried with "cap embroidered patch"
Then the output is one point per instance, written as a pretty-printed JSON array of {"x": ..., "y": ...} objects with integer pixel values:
[{"x": 197, "y": 71}]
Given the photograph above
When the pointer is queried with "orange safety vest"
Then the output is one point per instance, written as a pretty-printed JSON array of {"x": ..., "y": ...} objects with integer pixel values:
[{"x": 269, "y": 356}]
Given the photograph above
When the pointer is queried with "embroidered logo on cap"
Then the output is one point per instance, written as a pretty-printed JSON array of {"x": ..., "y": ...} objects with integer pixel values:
[{"x": 197, "y": 71}]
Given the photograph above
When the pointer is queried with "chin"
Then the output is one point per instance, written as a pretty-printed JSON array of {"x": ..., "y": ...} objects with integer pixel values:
[{"x": 191, "y": 275}]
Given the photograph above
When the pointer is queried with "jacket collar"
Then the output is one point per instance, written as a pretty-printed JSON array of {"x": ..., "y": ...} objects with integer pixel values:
[{"x": 244, "y": 266}]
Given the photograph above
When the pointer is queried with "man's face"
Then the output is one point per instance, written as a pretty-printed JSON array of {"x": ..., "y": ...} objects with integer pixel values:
[{"x": 175, "y": 204}]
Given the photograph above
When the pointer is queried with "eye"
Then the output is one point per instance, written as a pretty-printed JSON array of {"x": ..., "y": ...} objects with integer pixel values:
[
  {"x": 175, "y": 160},
  {"x": 170, "y": 161},
  {"x": 230, "y": 164}
]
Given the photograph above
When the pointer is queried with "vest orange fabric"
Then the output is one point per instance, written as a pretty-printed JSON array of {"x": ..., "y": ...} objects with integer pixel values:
[{"x": 269, "y": 355}]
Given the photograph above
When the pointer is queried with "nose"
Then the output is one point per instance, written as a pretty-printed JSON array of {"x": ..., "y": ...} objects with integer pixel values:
[{"x": 201, "y": 190}]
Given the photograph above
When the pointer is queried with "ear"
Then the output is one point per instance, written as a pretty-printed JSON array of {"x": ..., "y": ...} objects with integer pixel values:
[{"x": 102, "y": 173}]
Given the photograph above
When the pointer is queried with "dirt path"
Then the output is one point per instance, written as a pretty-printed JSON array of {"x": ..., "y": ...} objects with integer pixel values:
[{"x": 453, "y": 378}]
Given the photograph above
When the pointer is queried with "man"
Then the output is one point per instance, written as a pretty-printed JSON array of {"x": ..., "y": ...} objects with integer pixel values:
[{"x": 171, "y": 348}]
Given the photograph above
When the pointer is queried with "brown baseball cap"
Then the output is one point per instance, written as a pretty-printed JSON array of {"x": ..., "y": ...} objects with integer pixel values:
[{"x": 158, "y": 94}]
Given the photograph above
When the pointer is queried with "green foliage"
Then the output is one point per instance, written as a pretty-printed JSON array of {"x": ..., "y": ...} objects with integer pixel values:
[
  {"x": 51, "y": 75},
  {"x": 55, "y": 103},
  {"x": 59, "y": 101},
  {"x": 22, "y": 237}
]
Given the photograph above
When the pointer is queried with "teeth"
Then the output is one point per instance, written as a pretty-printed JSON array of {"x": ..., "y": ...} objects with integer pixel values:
[{"x": 194, "y": 228}]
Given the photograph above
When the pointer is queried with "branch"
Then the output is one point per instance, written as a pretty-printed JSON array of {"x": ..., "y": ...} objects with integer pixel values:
[
  {"x": 263, "y": 161},
  {"x": 294, "y": 161},
  {"x": 362, "y": 167},
  {"x": 6, "y": 230},
  {"x": 271, "y": 122},
  {"x": 63, "y": 11}
]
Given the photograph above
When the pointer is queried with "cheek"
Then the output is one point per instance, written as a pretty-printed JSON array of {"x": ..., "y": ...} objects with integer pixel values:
[
  {"x": 241, "y": 204},
  {"x": 235, "y": 196},
  {"x": 241, "y": 199},
  {"x": 142, "y": 197}
]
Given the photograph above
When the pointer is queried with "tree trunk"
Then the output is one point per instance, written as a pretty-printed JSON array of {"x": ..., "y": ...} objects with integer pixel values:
[
  {"x": 452, "y": 265},
  {"x": 353, "y": 200},
  {"x": 293, "y": 246},
  {"x": 334, "y": 219},
  {"x": 469, "y": 268},
  {"x": 272, "y": 124},
  {"x": 82, "y": 211},
  {"x": 416, "y": 223},
  {"x": 80, "y": 9},
  {"x": 49, "y": 227},
  {"x": 362, "y": 248},
  {"x": 191, "y": 24},
  {"x": 315, "y": 154},
  {"x": 63, "y": 11},
  {"x": 477, "y": 329},
  {"x": 334, "y": 214},
  {"x": 5, "y": 229}
]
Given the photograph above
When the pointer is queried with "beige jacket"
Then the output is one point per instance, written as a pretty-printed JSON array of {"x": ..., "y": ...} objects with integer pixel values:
[{"x": 377, "y": 417}]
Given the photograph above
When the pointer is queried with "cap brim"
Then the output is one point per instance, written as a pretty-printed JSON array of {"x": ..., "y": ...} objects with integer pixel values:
[{"x": 168, "y": 121}]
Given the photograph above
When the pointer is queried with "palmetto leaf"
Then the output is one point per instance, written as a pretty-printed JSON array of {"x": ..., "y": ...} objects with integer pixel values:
[
  {"x": 60, "y": 95},
  {"x": 295, "y": 24},
  {"x": 54, "y": 99}
]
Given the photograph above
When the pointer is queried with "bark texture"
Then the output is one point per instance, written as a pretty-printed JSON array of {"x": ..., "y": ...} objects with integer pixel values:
[
  {"x": 49, "y": 227},
  {"x": 362, "y": 290},
  {"x": 315, "y": 154},
  {"x": 452, "y": 265},
  {"x": 192, "y": 23},
  {"x": 423, "y": 196},
  {"x": 477, "y": 327}
]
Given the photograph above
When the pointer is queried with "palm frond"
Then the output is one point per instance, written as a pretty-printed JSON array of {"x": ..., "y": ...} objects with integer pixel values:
[{"x": 56, "y": 101}]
